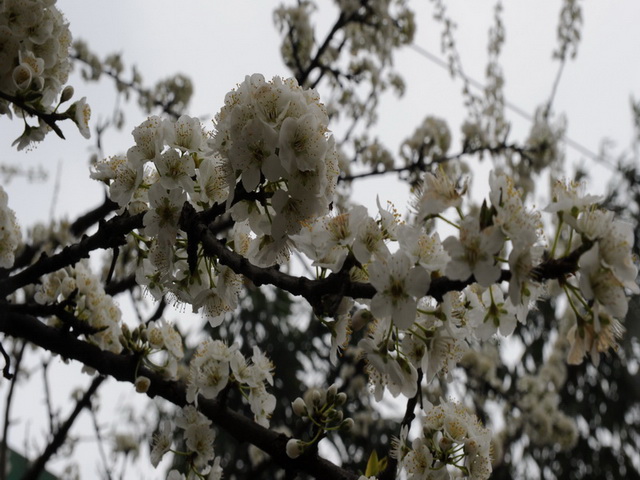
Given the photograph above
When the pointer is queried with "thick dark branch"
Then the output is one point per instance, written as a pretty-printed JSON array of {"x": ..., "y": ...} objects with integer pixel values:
[
  {"x": 123, "y": 368},
  {"x": 61, "y": 435},
  {"x": 560, "y": 268},
  {"x": 92, "y": 217},
  {"x": 122, "y": 285},
  {"x": 110, "y": 234},
  {"x": 68, "y": 319},
  {"x": 6, "y": 371},
  {"x": 313, "y": 290},
  {"x": 48, "y": 118}
]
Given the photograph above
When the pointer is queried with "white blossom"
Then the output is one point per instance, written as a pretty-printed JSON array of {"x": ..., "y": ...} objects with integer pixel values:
[{"x": 397, "y": 285}]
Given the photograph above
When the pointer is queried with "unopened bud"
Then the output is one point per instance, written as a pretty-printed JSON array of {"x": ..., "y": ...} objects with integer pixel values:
[
  {"x": 299, "y": 407},
  {"x": 347, "y": 424},
  {"x": 67, "y": 93},
  {"x": 294, "y": 448},
  {"x": 332, "y": 391},
  {"x": 142, "y": 384},
  {"x": 316, "y": 398}
]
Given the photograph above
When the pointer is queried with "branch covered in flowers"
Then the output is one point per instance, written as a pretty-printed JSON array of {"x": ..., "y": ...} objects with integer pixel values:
[
  {"x": 35, "y": 41},
  {"x": 201, "y": 214},
  {"x": 125, "y": 368},
  {"x": 206, "y": 210}
]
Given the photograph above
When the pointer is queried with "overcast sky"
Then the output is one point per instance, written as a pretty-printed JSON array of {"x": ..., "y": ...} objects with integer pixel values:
[{"x": 218, "y": 43}]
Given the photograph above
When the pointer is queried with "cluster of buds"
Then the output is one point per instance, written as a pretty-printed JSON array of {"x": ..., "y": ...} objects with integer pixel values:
[
  {"x": 323, "y": 410},
  {"x": 159, "y": 347}
]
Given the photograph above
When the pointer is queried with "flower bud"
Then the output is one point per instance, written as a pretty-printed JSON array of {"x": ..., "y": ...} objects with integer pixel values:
[
  {"x": 67, "y": 93},
  {"x": 347, "y": 424},
  {"x": 360, "y": 319},
  {"x": 332, "y": 391},
  {"x": 341, "y": 399},
  {"x": 294, "y": 448},
  {"x": 142, "y": 384},
  {"x": 299, "y": 407}
]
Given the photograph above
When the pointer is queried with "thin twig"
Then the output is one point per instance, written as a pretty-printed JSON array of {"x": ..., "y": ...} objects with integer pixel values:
[
  {"x": 7, "y": 409},
  {"x": 92, "y": 217},
  {"x": 103, "y": 455},
  {"x": 47, "y": 396},
  {"x": 56, "y": 190},
  {"x": 37, "y": 467},
  {"x": 48, "y": 118}
]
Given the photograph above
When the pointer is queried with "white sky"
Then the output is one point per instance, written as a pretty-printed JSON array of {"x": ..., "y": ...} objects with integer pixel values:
[{"x": 218, "y": 43}]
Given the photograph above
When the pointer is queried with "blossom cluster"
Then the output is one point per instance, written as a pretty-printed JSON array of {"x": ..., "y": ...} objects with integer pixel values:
[
  {"x": 198, "y": 436},
  {"x": 34, "y": 50},
  {"x": 271, "y": 140},
  {"x": 34, "y": 66},
  {"x": 165, "y": 168},
  {"x": 440, "y": 334},
  {"x": 607, "y": 271},
  {"x": 212, "y": 369},
  {"x": 540, "y": 405},
  {"x": 410, "y": 330},
  {"x": 10, "y": 236},
  {"x": 451, "y": 438},
  {"x": 82, "y": 294},
  {"x": 215, "y": 364},
  {"x": 274, "y": 140}
]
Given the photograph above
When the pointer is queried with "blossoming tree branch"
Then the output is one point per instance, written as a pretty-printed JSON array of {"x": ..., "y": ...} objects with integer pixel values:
[{"x": 205, "y": 215}]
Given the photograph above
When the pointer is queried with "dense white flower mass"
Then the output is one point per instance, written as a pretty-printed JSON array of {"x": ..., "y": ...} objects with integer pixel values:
[
  {"x": 34, "y": 49},
  {"x": 34, "y": 66},
  {"x": 215, "y": 364},
  {"x": 268, "y": 173},
  {"x": 451, "y": 323},
  {"x": 90, "y": 305},
  {"x": 273, "y": 136},
  {"x": 10, "y": 237},
  {"x": 452, "y": 442}
]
